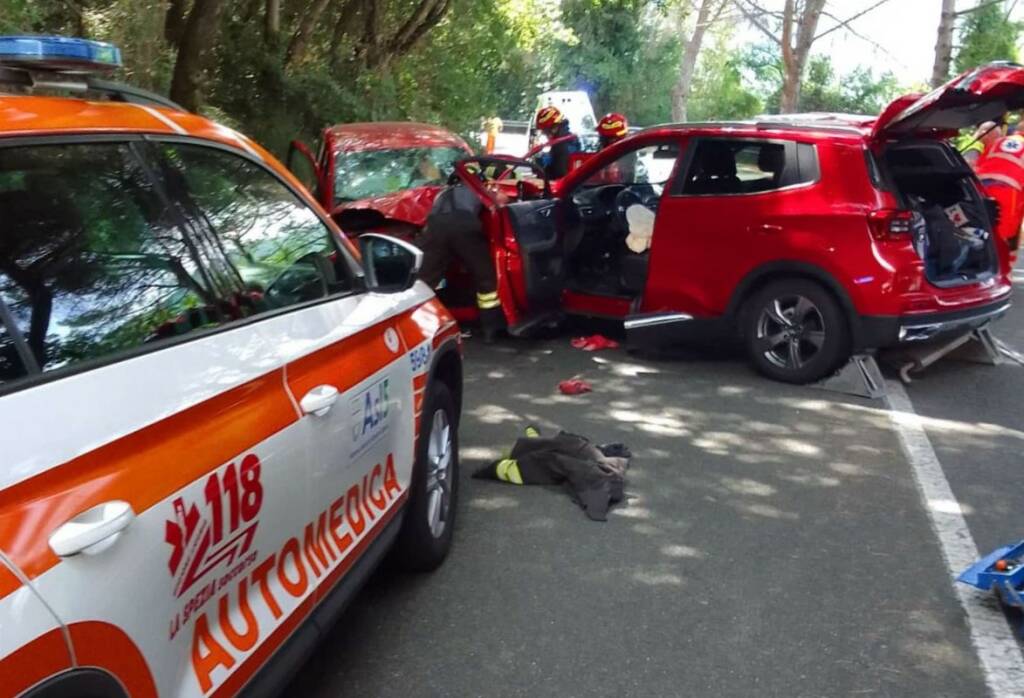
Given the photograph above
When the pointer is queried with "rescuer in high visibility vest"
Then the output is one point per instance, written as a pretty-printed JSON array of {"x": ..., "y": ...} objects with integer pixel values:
[
  {"x": 1001, "y": 171},
  {"x": 552, "y": 123}
]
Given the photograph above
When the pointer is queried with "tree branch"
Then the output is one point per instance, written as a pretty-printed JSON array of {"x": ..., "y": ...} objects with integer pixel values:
[
  {"x": 741, "y": 5},
  {"x": 846, "y": 23},
  {"x": 979, "y": 6}
]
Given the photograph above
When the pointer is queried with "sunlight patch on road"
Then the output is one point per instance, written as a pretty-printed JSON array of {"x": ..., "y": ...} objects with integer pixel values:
[
  {"x": 493, "y": 503},
  {"x": 748, "y": 486},
  {"x": 479, "y": 453},
  {"x": 622, "y": 368},
  {"x": 797, "y": 447},
  {"x": 681, "y": 551},
  {"x": 658, "y": 578}
]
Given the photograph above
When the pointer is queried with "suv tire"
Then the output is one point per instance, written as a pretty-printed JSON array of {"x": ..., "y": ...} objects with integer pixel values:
[
  {"x": 426, "y": 533},
  {"x": 795, "y": 331}
]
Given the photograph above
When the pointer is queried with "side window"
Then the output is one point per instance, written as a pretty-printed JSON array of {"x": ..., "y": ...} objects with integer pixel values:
[
  {"x": 258, "y": 234},
  {"x": 91, "y": 262},
  {"x": 11, "y": 365},
  {"x": 651, "y": 165},
  {"x": 724, "y": 167}
]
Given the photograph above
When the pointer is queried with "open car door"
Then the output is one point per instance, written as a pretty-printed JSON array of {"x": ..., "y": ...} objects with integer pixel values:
[
  {"x": 983, "y": 94},
  {"x": 522, "y": 222}
]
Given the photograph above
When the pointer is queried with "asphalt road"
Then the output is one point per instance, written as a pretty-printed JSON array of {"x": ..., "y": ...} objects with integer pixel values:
[{"x": 773, "y": 542}]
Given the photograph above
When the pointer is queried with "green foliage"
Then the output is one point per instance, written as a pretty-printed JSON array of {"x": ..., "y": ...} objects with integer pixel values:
[
  {"x": 987, "y": 34},
  {"x": 858, "y": 92},
  {"x": 719, "y": 90},
  {"x": 620, "y": 57}
]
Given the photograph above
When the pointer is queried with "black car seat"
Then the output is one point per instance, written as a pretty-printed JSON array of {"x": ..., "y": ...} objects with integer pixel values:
[
  {"x": 771, "y": 160},
  {"x": 715, "y": 171}
]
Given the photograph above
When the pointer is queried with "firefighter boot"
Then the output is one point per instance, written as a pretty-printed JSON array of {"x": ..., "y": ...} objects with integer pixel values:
[{"x": 492, "y": 322}]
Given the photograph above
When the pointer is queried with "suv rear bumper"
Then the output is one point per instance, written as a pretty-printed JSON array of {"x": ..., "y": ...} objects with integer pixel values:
[{"x": 878, "y": 331}]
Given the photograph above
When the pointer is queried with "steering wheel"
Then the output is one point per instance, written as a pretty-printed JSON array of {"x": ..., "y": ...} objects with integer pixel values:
[{"x": 623, "y": 200}]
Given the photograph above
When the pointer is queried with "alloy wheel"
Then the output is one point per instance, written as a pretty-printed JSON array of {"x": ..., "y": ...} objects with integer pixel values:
[
  {"x": 791, "y": 331},
  {"x": 439, "y": 486}
]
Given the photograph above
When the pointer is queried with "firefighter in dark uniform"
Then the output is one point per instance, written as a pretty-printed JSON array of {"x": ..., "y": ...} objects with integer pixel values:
[
  {"x": 553, "y": 124},
  {"x": 454, "y": 230}
]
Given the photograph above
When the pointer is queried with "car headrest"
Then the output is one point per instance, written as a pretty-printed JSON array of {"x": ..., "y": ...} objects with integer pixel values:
[
  {"x": 717, "y": 160},
  {"x": 772, "y": 158}
]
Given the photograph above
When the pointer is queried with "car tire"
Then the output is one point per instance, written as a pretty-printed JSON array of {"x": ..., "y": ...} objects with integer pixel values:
[
  {"x": 426, "y": 534},
  {"x": 795, "y": 331}
]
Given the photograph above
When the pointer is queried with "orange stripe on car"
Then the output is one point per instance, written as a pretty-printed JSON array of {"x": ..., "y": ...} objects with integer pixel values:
[
  {"x": 142, "y": 468},
  {"x": 104, "y": 645},
  {"x": 8, "y": 582},
  {"x": 34, "y": 661}
]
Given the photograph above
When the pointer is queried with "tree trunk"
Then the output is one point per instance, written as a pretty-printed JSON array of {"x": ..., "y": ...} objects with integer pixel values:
[
  {"x": 196, "y": 43},
  {"x": 307, "y": 25},
  {"x": 681, "y": 90},
  {"x": 794, "y": 57},
  {"x": 272, "y": 22},
  {"x": 174, "y": 21},
  {"x": 944, "y": 43}
]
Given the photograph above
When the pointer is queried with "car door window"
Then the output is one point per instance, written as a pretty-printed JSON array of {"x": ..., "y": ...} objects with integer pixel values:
[
  {"x": 729, "y": 167},
  {"x": 651, "y": 165},
  {"x": 265, "y": 241},
  {"x": 91, "y": 262}
]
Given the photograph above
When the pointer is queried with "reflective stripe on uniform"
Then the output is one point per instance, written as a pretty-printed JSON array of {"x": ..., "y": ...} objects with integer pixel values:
[
  {"x": 508, "y": 471},
  {"x": 485, "y": 301}
]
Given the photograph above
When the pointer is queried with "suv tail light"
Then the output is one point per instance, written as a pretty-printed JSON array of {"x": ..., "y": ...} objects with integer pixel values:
[{"x": 891, "y": 223}]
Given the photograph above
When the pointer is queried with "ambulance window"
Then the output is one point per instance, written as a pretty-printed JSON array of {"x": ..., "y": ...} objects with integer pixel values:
[
  {"x": 11, "y": 365},
  {"x": 91, "y": 262},
  {"x": 271, "y": 242}
]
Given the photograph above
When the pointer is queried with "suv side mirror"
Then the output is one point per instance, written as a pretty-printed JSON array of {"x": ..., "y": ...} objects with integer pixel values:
[{"x": 390, "y": 265}]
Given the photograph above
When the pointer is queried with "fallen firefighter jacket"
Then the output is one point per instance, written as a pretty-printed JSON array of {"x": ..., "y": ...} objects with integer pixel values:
[{"x": 593, "y": 475}]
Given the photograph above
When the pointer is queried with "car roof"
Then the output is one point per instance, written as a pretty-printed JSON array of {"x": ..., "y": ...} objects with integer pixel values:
[
  {"x": 43, "y": 116},
  {"x": 382, "y": 135},
  {"x": 842, "y": 127}
]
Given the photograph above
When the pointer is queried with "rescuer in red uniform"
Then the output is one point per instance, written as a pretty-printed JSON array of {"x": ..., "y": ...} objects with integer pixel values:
[{"x": 1001, "y": 171}]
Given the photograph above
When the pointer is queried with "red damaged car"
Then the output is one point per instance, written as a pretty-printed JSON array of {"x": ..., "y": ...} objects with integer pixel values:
[
  {"x": 807, "y": 237},
  {"x": 396, "y": 168}
]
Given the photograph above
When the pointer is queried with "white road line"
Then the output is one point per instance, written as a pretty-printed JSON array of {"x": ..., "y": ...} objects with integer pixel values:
[{"x": 993, "y": 640}]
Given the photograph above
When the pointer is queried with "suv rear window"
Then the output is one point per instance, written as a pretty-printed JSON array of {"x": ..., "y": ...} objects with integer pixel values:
[{"x": 722, "y": 166}]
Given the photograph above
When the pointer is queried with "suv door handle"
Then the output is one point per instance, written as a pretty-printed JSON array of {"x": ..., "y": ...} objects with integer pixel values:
[
  {"x": 92, "y": 531},
  {"x": 319, "y": 400},
  {"x": 768, "y": 228}
]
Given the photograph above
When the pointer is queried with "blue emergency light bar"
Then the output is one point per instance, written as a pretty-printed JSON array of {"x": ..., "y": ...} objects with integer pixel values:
[{"x": 58, "y": 54}]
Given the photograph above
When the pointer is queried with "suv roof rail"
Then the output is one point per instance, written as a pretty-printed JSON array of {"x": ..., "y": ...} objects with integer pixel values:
[{"x": 78, "y": 83}]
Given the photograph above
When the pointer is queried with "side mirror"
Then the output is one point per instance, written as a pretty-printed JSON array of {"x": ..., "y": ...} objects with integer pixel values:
[{"x": 390, "y": 265}]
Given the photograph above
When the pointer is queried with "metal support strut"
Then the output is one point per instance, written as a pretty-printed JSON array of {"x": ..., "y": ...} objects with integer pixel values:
[
  {"x": 977, "y": 346},
  {"x": 860, "y": 376}
]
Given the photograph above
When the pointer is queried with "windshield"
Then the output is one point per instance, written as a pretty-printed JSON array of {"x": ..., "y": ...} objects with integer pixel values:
[{"x": 370, "y": 173}]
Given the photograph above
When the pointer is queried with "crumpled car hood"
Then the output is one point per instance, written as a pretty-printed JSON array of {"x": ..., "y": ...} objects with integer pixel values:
[{"x": 409, "y": 206}]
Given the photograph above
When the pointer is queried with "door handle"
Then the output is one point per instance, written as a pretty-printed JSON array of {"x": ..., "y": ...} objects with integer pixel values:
[
  {"x": 319, "y": 400},
  {"x": 768, "y": 228},
  {"x": 92, "y": 531}
]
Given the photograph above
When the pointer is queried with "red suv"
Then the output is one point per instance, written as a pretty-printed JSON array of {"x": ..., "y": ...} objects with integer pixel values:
[{"x": 810, "y": 237}]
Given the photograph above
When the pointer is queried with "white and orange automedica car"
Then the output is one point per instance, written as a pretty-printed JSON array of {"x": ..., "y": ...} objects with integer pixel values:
[{"x": 217, "y": 414}]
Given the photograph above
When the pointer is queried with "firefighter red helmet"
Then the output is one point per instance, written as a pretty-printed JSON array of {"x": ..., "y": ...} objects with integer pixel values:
[
  {"x": 612, "y": 126},
  {"x": 548, "y": 118}
]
